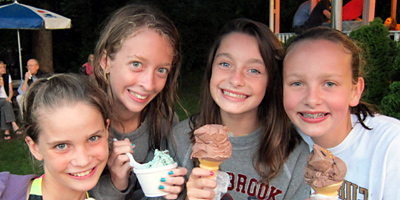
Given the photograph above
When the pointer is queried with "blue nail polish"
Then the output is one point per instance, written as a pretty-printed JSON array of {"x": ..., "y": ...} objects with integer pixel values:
[
  {"x": 162, "y": 179},
  {"x": 170, "y": 173},
  {"x": 133, "y": 149},
  {"x": 133, "y": 144},
  {"x": 161, "y": 187}
]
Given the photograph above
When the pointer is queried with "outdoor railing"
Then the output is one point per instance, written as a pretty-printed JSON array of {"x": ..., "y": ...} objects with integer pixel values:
[{"x": 283, "y": 37}]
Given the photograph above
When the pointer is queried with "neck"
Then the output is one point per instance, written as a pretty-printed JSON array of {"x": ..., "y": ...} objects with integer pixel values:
[
  {"x": 240, "y": 125},
  {"x": 127, "y": 120},
  {"x": 53, "y": 190}
]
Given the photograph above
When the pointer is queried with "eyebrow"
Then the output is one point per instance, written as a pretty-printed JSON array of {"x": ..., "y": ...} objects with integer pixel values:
[
  {"x": 252, "y": 60},
  {"x": 146, "y": 60}
]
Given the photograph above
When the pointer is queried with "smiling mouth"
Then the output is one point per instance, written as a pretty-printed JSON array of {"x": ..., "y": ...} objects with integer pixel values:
[
  {"x": 313, "y": 116},
  {"x": 238, "y": 96},
  {"x": 82, "y": 173},
  {"x": 137, "y": 95}
]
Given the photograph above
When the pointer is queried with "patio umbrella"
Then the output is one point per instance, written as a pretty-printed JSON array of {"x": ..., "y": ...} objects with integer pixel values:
[{"x": 20, "y": 16}]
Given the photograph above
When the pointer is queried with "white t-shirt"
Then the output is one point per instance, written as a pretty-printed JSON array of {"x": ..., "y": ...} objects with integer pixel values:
[
  {"x": 372, "y": 158},
  {"x": 3, "y": 93}
]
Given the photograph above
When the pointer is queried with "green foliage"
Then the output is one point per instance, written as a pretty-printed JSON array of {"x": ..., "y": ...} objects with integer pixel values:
[
  {"x": 390, "y": 104},
  {"x": 380, "y": 54}
]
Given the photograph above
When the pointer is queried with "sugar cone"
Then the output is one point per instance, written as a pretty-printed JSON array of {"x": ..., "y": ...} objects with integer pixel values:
[
  {"x": 210, "y": 165},
  {"x": 330, "y": 190}
]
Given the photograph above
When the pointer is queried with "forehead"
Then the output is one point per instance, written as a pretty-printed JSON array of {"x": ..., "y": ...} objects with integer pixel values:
[{"x": 318, "y": 55}]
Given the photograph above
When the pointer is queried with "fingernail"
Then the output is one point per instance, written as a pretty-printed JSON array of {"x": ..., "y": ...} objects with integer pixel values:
[
  {"x": 170, "y": 172},
  {"x": 162, "y": 179},
  {"x": 211, "y": 173},
  {"x": 133, "y": 144},
  {"x": 161, "y": 187},
  {"x": 133, "y": 149}
]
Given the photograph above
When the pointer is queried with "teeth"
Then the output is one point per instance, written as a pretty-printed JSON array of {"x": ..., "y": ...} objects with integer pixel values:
[
  {"x": 313, "y": 116},
  {"x": 238, "y": 96},
  {"x": 82, "y": 173},
  {"x": 137, "y": 95}
]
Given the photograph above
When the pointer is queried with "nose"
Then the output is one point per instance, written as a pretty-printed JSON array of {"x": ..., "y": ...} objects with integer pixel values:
[
  {"x": 146, "y": 80},
  {"x": 313, "y": 97},
  {"x": 81, "y": 157},
  {"x": 237, "y": 78}
]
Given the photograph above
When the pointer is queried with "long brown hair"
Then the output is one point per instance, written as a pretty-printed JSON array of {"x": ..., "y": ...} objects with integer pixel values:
[
  {"x": 363, "y": 109},
  {"x": 278, "y": 137},
  {"x": 120, "y": 25}
]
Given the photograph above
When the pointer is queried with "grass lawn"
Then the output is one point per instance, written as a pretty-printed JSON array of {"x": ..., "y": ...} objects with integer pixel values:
[{"x": 16, "y": 158}]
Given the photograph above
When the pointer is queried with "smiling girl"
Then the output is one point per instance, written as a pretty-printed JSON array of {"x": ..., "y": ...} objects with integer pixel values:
[
  {"x": 137, "y": 61},
  {"x": 241, "y": 91},
  {"x": 322, "y": 87},
  {"x": 66, "y": 126}
]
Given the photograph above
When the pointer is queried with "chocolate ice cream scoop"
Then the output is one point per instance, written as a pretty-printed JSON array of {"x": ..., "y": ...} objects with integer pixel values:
[
  {"x": 212, "y": 143},
  {"x": 323, "y": 168}
]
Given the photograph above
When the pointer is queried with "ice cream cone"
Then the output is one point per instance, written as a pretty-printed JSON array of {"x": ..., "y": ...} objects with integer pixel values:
[
  {"x": 210, "y": 165},
  {"x": 330, "y": 190}
]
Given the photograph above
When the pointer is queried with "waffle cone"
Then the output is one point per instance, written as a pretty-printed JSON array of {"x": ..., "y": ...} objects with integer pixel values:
[
  {"x": 330, "y": 190},
  {"x": 210, "y": 165}
]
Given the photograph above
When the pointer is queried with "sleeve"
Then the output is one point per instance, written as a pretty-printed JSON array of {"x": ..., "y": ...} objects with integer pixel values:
[
  {"x": 105, "y": 190},
  {"x": 19, "y": 88},
  {"x": 298, "y": 189},
  {"x": 392, "y": 178}
]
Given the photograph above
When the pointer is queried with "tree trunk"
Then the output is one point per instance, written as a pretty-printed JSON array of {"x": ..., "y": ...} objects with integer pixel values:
[
  {"x": 42, "y": 43},
  {"x": 43, "y": 49}
]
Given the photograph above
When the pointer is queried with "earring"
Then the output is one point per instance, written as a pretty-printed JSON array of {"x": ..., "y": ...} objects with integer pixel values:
[{"x": 105, "y": 75}]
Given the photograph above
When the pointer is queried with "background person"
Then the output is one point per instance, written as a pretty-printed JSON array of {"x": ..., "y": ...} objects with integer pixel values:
[{"x": 7, "y": 116}]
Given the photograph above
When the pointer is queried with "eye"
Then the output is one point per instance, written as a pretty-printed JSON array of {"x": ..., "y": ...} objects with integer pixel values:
[
  {"x": 224, "y": 64},
  {"x": 62, "y": 146},
  {"x": 255, "y": 71},
  {"x": 330, "y": 84},
  {"x": 297, "y": 83},
  {"x": 136, "y": 64},
  {"x": 93, "y": 138},
  {"x": 163, "y": 71}
]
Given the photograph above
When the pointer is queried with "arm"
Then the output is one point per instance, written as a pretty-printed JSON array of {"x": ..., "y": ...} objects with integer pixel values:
[
  {"x": 11, "y": 92},
  {"x": 24, "y": 83}
]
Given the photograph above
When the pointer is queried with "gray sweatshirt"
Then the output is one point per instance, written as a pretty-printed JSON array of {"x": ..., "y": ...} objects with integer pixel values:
[
  {"x": 289, "y": 184},
  {"x": 105, "y": 190}
]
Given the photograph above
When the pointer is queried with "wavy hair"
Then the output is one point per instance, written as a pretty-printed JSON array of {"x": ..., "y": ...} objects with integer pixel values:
[
  {"x": 278, "y": 136},
  {"x": 122, "y": 24}
]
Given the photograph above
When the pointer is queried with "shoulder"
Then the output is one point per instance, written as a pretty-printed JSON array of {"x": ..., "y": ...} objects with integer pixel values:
[
  {"x": 182, "y": 127},
  {"x": 14, "y": 186}
]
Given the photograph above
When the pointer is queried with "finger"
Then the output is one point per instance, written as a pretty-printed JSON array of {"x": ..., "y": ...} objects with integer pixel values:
[
  {"x": 195, "y": 193},
  {"x": 199, "y": 172},
  {"x": 179, "y": 171},
  {"x": 172, "y": 190}
]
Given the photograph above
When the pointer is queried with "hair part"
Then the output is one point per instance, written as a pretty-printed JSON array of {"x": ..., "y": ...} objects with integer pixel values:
[
  {"x": 125, "y": 23},
  {"x": 279, "y": 138},
  {"x": 48, "y": 94},
  {"x": 363, "y": 109}
]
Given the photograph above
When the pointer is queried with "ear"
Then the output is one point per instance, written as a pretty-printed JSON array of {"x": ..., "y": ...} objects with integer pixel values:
[
  {"x": 356, "y": 92},
  {"x": 108, "y": 126},
  {"x": 104, "y": 62},
  {"x": 34, "y": 148}
]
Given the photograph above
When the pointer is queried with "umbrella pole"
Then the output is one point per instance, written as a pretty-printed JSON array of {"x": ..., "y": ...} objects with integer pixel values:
[{"x": 19, "y": 53}]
